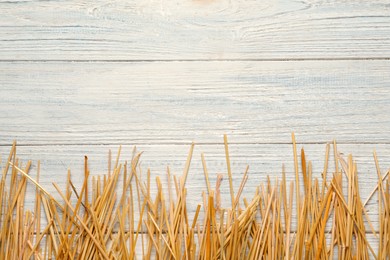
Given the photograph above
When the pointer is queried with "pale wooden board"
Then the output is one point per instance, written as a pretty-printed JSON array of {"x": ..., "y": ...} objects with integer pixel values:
[
  {"x": 263, "y": 160},
  {"x": 198, "y": 29},
  {"x": 319, "y": 68},
  {"x": 180, "y": 102}
]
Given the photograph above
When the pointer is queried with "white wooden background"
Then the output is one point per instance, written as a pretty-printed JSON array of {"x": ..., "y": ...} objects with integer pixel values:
[{"x": 80, "y": 77}]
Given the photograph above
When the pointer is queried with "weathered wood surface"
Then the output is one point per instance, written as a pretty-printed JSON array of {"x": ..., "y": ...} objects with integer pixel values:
[
  {"x": 180, "y": 102},
  {"x": 192, "y": 30},
  {"x": 79, "y": 77}
]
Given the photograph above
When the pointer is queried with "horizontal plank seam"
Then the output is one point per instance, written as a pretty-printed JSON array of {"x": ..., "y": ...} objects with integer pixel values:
[
  {"x": 189, "y": 143},
  {"x": 369, "y": 232},
  {"x": 194, "y": 60}
]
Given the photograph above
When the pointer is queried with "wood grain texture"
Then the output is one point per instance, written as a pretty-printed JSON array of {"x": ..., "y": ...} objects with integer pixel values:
[
  {"x": 192, "y": 30},
  {"x": 180, "y": 102},
  {"x": 79, "y": 77},
  {"x": 263, "y": 159}
]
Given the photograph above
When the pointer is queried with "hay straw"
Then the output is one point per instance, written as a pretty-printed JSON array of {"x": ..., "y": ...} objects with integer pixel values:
[{"x": 115, "y": 216}]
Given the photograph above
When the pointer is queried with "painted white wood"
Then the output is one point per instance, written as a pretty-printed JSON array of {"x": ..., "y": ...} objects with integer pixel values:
[
  {"x": 181, "y": 102},
  {"x": 256, "y": 70},
  {"x": 196, "y": 29}
]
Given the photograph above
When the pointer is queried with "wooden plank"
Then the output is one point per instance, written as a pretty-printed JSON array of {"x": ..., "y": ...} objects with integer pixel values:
[
  {"x": 263, "y": 160},
  {"x": 172, "y": 30},
  {"x": 177, "y": 102}
]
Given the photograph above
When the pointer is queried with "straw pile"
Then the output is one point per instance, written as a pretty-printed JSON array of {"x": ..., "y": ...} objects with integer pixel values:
[{"x": 99, "y": 222}]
